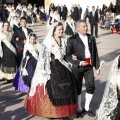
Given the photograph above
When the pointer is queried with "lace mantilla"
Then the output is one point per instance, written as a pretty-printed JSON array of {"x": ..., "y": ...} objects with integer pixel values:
[
  {"x": 110, "y": 98},
  {"x": 42, "y": 72}
]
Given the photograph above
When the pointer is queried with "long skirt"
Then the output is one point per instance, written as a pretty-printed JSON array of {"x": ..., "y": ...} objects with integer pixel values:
[
  {"x": 8, "y": 64},
  {"x": 19, "y": 84},
  {"x": 60, "y": 99},
  {"x": 23, "y": 83},
  {"x": 40, "y": 105}
]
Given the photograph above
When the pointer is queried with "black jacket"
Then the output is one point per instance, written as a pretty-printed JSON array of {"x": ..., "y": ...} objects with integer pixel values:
[
  {"x": 93, "y": 19},
  {"x": 19, "y": 33},
  {"x": 65, "y": 10},
  {"x": 76, "y": 46}
]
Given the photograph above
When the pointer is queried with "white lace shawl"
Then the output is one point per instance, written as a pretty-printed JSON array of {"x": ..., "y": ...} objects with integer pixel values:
[
  {"x": 58, "y": 51},
  {"x": 71, "y": 24},
  {"x": 55, "y": 16},
  {"x": 29, "y": 12},
  {"x": 42, "y": 72},
  {"x": 48, "y": 25},
  {"x": 110, "y": 99},
  {"x": 7, "y": 41},
  {"x": 33, "y": 49}
]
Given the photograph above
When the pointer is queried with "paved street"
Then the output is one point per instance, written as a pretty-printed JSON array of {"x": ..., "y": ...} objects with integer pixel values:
[{"x": 11, "y": 101}]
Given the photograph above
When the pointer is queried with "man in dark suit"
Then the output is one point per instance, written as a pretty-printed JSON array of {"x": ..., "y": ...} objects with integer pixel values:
[
  {"x": 94, "y": 20},
  {"x": 83, "y": 55},
  {"x": 76, "y": 13},
  {"x": 65, "y": 11},
  {"x": 79, "y": 11},
  {"x": 4, "y": 13},
  {"x": 20, "y": 37},
  {"x": 87, "y": 13}
]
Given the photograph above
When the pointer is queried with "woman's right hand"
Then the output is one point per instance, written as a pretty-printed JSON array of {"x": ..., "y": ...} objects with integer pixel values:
[
  {"x": 74, "y": 57},
  {"x": 17, "y": 38}
]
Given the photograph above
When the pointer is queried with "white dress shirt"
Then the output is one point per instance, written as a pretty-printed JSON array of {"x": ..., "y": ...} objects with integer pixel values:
[
  {"x": 93, "y": 13},
  {"x": 84, "y": 39}
]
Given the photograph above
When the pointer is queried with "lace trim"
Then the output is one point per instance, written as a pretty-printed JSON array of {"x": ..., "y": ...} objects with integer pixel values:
[
  {"x": 8, "y": 69},
  {"x": 8, "y": 76},
  {"x": 110, "y": 98}
]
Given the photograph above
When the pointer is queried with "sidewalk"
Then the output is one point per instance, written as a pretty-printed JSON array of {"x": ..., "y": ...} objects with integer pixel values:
[{"x": 11, "y": 101}]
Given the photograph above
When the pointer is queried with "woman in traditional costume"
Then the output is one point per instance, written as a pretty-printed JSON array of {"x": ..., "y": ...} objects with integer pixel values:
[
  {"x": 53, "y": 91},
  {"x": 35, "y": 12},
  {"x": 55, "y": 18},
  {"x": 22, "y": 81},
  {"x": 42, "y": 15},
  {"x": 110, "y": 106},
  {"x": 15, "y": 24},
  {"x": 10, "y": 18},
  {"x": 29, "y": 17},
  {"x": 69, "y": 27},
  {"x": 8, "y": 61},
  {"x": 24, "y": 12},
  {"x": 49, "y": 22}
]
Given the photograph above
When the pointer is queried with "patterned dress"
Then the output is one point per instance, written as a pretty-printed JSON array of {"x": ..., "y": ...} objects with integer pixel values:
[
  {"x": 8, "y": 63},
  {"x": 59, "y": 97},
  {"x": 58, "y": 102},
  {"x": 22, "y": 83}
]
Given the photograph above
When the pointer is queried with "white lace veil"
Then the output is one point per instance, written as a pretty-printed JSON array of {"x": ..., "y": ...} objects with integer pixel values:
[
  {"x": 41, "y": 76},
  {"x": 43, "y": 71},
  {"x": 110, "y": 99},
  {"x": 50, "y": 34},
  {"x": 27, "y": 46}
]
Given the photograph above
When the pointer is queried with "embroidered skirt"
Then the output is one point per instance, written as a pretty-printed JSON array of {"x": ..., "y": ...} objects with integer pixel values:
[
  {"x": 8, "y": 64},
  {"x": 40, "y": 105}
]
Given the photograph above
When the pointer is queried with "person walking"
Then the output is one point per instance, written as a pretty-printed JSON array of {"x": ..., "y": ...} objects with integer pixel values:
[
  {"x": 83, "y": 55},
  {"x": 94, "y": 20}
]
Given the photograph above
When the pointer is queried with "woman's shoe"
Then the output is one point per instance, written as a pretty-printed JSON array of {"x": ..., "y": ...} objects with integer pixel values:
[{"x": 66, "y": 118}]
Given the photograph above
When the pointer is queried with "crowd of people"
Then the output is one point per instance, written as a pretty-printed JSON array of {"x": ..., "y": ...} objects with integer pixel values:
[
  {"x": 51, "y": 73},
  {"x": 110, "y": 18},
  {"x": 11, "y": 12}
]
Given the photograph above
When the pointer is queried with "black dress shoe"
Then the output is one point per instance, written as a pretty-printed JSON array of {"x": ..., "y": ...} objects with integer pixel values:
[
  {"x": 66, "y": 118},
  {"x": 89, "y": 112},
  {"x": 80, "y": 114}
]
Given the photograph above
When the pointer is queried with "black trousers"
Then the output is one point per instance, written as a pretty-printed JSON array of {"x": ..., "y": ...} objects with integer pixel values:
[
  {"x": 86, "y": 73},
  {"x": 79, "y": 16},
  {"x": 96, "y": 29},
  {"x": 64, "y": 17},
  {"x": 86, "y": 16}
]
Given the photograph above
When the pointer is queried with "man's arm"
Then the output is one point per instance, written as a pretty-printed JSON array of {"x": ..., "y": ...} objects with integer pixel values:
[
  {"x": 29, "y": 31},
  {"x": 97, "y": 17},
  {"x": 90, "y": 17},
  {"x": 69, "y": 53},
  {"x": 16, "y": 39},
  {"x": 97, "y": 61}
]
